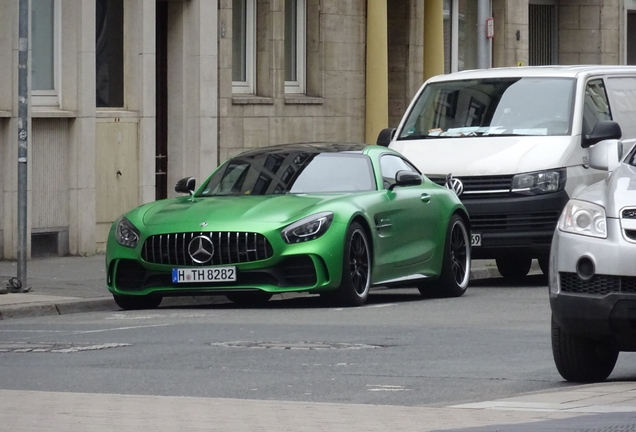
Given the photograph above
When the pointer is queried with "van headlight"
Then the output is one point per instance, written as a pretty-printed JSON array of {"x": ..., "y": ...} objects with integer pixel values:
[
  {"x": 538, "y": 183},
  {"x": 309, "y": 228},
  {"x": 126, "y": 233},
  {"x": 584, "y": 218}
]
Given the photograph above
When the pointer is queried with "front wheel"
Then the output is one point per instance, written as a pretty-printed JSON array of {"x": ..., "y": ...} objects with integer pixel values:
[
  {"x": 137, "y": 302},
  {"x": 356, "y": 269},
  {"x": 581, "y": 359},
  {"x": 515, "y": 267},
  {"x": 453, "y": 280}
]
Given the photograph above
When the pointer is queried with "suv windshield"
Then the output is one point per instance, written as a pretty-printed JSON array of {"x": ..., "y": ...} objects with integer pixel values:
[
  {"x": 292, "y": 172},
  {"x": 494, "y": 106}
]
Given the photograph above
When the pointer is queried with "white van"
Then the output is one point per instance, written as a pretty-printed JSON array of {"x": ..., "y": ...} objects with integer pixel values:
[{"x": 513, "y": 144}]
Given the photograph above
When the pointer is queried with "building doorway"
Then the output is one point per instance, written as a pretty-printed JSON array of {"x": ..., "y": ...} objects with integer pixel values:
[
  {"x": 631, "y": 37},
  {"x": 542, "y": 44},
  {"x": 161, "y": 123}
]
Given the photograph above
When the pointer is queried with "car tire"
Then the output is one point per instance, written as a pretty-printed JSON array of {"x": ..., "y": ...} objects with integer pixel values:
[
  {"x": 356, "y": 269},
  {"x": 137, "y": 302},
  {"x": 455, "y": 275},
  {"x": 514, "y": 267},
  {"x": 580, "y": 359},
  {"x": 249, "y": 299}
]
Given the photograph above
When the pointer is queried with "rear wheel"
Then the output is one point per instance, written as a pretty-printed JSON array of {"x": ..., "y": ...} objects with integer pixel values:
[
  {"x": 356, "y": 269},
  {"x": 581, "y": 359},
  {"x": 137, "y": 302},
  {"x": 250, "y": 299},
  {"x": 453, "y": 280},
  {"x": 514, "y": 267}
]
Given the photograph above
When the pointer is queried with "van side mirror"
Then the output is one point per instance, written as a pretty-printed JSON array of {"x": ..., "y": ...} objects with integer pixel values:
[
  {"x": 186, "y": 185},
  {"x": 606, "y": 155},
  {"x": 385, "y": 136},
  {"x": 605, "y": 130}
]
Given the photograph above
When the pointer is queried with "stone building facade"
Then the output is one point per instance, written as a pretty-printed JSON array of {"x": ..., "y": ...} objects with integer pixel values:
[{"x": 128, "y": 96}]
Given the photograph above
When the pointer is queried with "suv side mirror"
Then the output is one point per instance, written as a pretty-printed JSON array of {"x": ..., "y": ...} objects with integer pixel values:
[
  {"x": 385, "y": 136},
  {"x": 606, "y": 155},
  {"x": 605, "y": 130},
  {"x": 406, "y": 178},
  {"x": 186, "y": 185}
]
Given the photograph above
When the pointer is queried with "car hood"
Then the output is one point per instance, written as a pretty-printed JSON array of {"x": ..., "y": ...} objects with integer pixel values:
[
  {"x": 491, "y": 155},
  {"x": 192, "y": 212},
  {"x": 615, "y": 193}
]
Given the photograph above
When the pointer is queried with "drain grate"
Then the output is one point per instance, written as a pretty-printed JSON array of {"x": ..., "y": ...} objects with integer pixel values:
[
  {"x": 296, "y": 345},
  {"x": 45, "y": 347}
]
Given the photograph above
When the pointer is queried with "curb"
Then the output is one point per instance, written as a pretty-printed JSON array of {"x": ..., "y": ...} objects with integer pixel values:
[{"x": 65, "y": 307}]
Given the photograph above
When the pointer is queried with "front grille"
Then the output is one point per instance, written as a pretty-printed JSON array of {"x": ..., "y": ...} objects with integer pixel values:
[
  {"x": 536, "y": 221},
  {"x": 229, "y": 248},
  {"x": 598, "y": 284},
  {"x": 628, "y": 213},
  {"x": 487, "y": 185}
]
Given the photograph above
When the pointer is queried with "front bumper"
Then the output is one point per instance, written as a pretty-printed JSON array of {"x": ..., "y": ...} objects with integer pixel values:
[
  {"x": 520, "y": 225},
  {"x": 603, "y": 306}
]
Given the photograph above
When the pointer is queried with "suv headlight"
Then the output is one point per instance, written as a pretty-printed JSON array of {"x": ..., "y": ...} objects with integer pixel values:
[
  {"x": 309, "y": 228},
  {"x": 126, "y": 233},
  {"x": 584, "y": 218},
  {"x": 541, "y": 182}
]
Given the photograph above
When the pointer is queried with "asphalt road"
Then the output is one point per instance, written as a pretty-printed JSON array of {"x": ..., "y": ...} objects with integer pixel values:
[{"x": 400, "y": 349}]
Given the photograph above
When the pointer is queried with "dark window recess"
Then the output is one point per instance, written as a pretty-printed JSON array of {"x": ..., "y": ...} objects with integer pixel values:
[
  {"x": 109, "y": 47},
  {"x": 44, "y": 245}
]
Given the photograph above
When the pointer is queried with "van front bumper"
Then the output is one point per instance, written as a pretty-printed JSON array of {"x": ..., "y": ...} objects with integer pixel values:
[{"x": 519, "y": 225}]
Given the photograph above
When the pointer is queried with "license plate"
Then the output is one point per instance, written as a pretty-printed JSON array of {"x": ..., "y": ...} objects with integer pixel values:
[
  {"x": 475, "y": 239},
  {"x": 204, "y": 274}
]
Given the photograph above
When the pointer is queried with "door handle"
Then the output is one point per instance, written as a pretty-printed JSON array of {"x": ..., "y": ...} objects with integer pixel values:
[{"x": 426, "y": 198}]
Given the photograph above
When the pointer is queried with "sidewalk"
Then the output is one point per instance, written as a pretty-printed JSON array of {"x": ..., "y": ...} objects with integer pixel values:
[{"x": 63, "y": 285}]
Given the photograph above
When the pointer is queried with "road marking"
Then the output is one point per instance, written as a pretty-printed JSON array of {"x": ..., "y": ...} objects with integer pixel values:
[
  {"x": 118, "y": 329},
  {"x": 386, "y": 388}
]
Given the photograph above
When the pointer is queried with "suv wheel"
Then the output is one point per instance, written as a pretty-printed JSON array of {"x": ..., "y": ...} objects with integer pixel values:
[{"x": 581, "y": 359}]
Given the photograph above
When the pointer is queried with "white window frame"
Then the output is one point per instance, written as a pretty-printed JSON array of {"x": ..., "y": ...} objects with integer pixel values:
[
  {"x": 298, "y": 86},
  {"x": 248, "y": 86},
  {"x": 629, "y": 6},
  {"x": 52, "y": 97}
]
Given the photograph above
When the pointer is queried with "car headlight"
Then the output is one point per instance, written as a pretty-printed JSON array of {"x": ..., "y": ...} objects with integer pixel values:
[
  {"x": 539, "y": 182},
  {"x": 126, "y": 233},
  {"x": 584, "y": 218},
  {"x": 309, "y": 228}
]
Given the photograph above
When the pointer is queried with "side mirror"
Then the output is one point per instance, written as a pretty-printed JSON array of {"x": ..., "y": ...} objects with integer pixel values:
[
  {"x": 186, "y": 185},
  {"x": 605, "y": 130},
  {"x": 406, "y": 178},
  {"x": 606, "y": 155},
  {"x": 385, "y": 136}
]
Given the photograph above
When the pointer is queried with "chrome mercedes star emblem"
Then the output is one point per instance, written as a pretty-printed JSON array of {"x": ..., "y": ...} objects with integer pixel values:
[
  {"x": 454, "y": 184},
  {"x": 201, "y": 249}
]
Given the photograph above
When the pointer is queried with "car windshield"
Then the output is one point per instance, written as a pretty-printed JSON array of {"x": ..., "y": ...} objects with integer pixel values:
[
  {"x": 293, "y": 172},
  {"x": 494, "y": 106}
]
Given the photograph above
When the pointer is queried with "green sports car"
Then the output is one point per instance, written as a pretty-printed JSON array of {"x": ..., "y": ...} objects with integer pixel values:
[{"x": 331, "y": 219}]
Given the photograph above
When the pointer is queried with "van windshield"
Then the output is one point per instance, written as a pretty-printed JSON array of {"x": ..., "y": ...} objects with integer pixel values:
[{"x": 493, "y": 106}]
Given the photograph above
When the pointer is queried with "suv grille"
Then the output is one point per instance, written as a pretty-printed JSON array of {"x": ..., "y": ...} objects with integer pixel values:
[
  {"x": 229, "y": 248},
  {"x": 598, "y": 285}
]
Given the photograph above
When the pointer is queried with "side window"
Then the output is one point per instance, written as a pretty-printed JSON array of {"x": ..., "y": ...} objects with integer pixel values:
[
  {"x": 295, "y": 25},
  {"x": 390, "y": 165},
  {"x": 45, "y": 51},
  {"x": 596, "y": 107}
]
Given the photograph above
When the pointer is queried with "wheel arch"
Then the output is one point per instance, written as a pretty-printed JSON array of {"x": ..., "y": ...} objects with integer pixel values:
[{"x": 367, "y": 230}]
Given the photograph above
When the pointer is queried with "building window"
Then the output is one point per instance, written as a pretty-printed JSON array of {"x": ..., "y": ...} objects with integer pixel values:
[
  {"x": 109, "y": 47},
  {"x": 45, "y": 37},
  {"x": 460, "y": 35},
  {"x": 295, "y": 46},
  {"x": 243, "y": 46}
]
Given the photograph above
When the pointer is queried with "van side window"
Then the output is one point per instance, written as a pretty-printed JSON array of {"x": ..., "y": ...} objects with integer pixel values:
[
  {"x": 390, "y": 165},
  {"x": 596, "y": 108}
]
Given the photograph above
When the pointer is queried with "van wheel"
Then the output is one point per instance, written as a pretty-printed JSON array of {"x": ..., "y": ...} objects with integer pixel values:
[
  {"x": 580, "y": 359},
  {"x": 514, "y": 267}
]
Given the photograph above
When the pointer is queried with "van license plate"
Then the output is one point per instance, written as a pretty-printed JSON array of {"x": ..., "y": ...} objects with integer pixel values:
[
  {"x": 475, "y": 239},
  {"x": 204, "y": 274}
]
